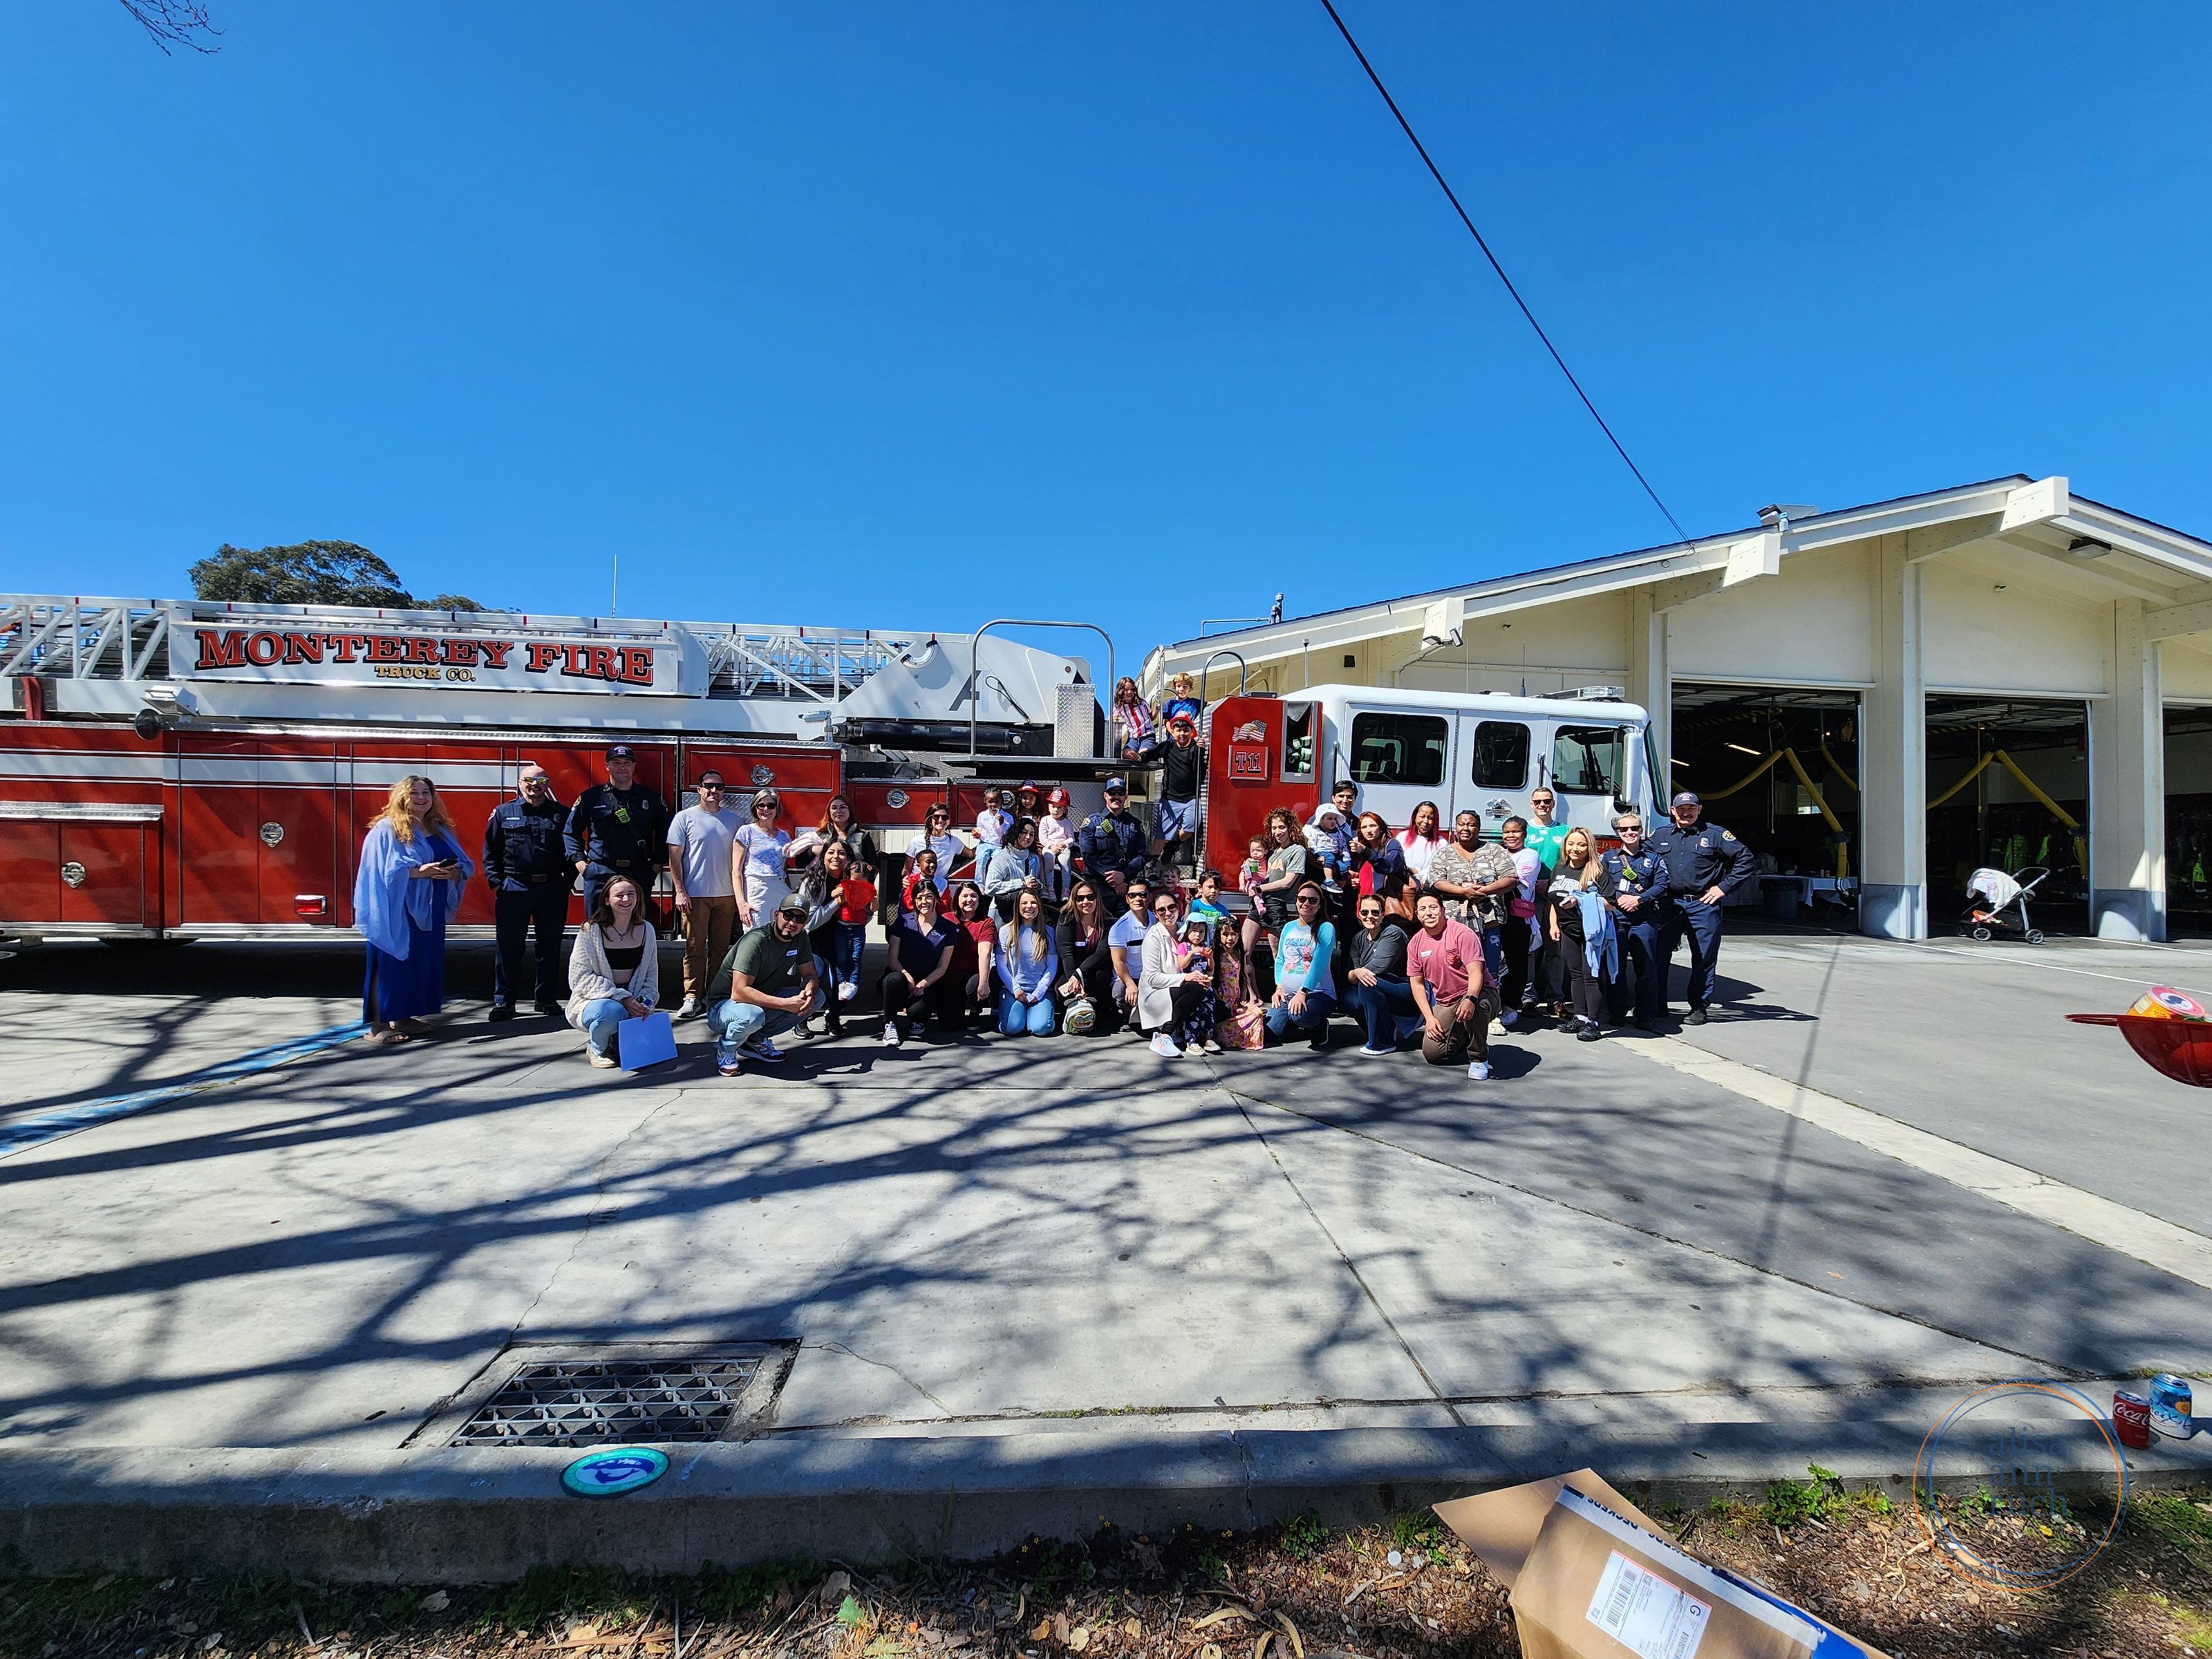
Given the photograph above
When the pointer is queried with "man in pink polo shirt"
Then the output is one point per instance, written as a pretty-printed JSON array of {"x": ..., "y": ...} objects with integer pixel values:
[{"x": 1456, "y": 1002}]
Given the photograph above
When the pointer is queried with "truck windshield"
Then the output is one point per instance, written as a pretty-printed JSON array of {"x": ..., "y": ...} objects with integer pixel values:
[{"x": 1586, "y": 760}]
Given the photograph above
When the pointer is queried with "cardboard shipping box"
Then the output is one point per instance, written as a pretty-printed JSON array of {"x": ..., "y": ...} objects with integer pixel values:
[{"x": 1592, "y": 1576}]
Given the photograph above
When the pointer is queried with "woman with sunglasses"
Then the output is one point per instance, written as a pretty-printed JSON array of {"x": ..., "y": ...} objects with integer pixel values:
[
  {"x": 1305, "y": 994},
  {"x": 936, "y": 834},
  {"x": 1083, "y": 949},
  {"x": 1376, "y": 987},
  {"x": 1175, "y": 1003},
  {"x": 757, "y": 861}
]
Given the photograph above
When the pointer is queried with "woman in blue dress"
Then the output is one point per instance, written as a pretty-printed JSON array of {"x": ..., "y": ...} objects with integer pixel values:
[{"x": 412, "y": 871}]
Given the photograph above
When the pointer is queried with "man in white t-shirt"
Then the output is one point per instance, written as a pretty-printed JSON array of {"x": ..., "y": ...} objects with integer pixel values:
[
  {"x": 1125, "y": 943},
  {"x": 699, "y": 840}
]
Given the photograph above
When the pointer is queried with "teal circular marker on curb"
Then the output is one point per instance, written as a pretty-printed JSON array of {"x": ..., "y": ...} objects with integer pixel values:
[{"x": 613, "y": 1470}]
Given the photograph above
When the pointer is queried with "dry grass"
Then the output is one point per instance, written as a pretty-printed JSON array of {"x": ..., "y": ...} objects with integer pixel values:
[{"x": 1286, "y": 1593}]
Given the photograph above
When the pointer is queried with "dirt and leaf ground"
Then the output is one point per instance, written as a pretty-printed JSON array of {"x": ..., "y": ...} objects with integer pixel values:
[{"x": 1293, "y": 1592}]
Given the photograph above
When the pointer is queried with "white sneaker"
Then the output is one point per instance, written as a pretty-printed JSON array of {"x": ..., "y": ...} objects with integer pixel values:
[
  {"x": 1373, "y": 1053},
  {"x": 890, "y": 1037},
  {"x": 1212, "y": 1047},
  {"x": 848, "y": 991},
  {"x": 688, "y": 1009},
  {"x": 1164, "y": 1046},
  {"x": 604, "y": 1062},
  {"x": 1478, "y": 1070}
]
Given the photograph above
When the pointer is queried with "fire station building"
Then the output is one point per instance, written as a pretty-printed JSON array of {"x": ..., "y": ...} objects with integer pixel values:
[{"x": 1880, "y": 700}]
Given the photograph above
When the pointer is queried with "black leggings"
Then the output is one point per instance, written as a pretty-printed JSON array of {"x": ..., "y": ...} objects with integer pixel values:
[
  {"x": 1186, "y": 1002},
  {"x": 942, "y": 1002},
  {"x": 1515, "y": 943},
  {"x": 1587, "y": 989}
]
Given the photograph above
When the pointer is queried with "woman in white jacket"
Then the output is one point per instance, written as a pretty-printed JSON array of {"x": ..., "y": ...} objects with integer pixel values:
[
  {"x": 614, "y": 970},
  {"x": 1167, "y": 994}
]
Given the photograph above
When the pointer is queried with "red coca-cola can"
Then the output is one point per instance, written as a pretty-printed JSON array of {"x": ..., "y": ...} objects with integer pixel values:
[{"x": 2132, "y": 1417}]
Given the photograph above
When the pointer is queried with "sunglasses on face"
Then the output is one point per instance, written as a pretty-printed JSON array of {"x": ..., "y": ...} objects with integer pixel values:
[
  {"x": 1371, "y": 915},
  {"x": 710, "y": 788},
  {"x": 1308, "y": 898}
]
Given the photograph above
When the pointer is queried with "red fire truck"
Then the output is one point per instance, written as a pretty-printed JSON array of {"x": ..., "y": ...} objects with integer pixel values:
[{"x": 194, "y": 769}]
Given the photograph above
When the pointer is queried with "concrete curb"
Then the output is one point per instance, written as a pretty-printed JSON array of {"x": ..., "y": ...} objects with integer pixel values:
[{"x": 476, "y": 1515}]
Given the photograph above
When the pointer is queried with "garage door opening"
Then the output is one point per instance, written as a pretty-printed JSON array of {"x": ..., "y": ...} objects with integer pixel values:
[
  {"x": 1777, "y": 765},
  {"x": 2008, "y": 787},
  {"x": 2189, "y": 820}
]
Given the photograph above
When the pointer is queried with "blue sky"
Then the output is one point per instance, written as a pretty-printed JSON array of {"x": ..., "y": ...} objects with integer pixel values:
[{"x": 906, "y": 315}]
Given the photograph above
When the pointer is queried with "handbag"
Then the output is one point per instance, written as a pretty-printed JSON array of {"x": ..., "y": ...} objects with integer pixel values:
[
  {"x": 645, "y": 1041},
  {"x": 1082, "y": 1016}
]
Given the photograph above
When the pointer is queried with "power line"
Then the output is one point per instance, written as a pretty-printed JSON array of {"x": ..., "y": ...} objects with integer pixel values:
[{"x": 1450, "y": 196}]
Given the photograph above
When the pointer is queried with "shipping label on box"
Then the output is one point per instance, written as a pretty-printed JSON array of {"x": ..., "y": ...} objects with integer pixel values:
[{"x": 1591, "y": 1577}]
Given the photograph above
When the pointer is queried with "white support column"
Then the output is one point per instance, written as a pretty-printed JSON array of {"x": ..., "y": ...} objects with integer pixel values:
[
  {"x": 2127, "y": 787},
  {"x": 1651, "y": 682},
  {"x": 1894, "y": 757}
]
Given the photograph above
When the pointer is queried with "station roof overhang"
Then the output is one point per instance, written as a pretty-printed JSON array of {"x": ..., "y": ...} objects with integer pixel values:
[{"x": 2087, "y": 549}]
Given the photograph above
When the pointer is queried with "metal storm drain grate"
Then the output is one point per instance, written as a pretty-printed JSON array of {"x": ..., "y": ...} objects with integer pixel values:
[{"x": 635, "y": 1398}]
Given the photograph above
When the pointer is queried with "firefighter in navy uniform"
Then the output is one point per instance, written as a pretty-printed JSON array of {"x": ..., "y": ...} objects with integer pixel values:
[
  {"x": 1111, "y": 845},
  {"x": 1639, "y": 909},
  {"x": 1704, "y": 864},
  {"x": 525, "y": 859},
  {"x": 618, "y": 828}
]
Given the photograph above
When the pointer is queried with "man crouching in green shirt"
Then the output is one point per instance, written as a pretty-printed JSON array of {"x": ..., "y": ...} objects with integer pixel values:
[{"x": 766, "y": 984}]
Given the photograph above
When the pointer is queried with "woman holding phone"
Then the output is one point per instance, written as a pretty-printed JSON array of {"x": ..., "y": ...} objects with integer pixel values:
[{"x": 412, "y": 870}]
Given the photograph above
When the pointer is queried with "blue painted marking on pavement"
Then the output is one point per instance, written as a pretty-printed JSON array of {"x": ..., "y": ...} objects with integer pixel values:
[{"x": 37, "y": 1131}]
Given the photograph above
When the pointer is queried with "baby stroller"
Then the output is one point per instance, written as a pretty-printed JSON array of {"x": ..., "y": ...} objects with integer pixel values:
[{"x": 1990, "y": 893}]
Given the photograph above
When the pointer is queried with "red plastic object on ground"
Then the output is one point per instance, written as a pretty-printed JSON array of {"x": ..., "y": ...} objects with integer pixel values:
[{"x": 2181, "y": 1048}]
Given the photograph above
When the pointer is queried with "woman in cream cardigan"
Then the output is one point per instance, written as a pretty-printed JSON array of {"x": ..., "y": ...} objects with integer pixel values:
[
  {"x": 614, "y": 970},
  {"x": 1168, "y": 993}
]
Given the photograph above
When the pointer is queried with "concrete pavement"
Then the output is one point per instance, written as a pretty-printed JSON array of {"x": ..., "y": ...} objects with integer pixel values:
[{"x": 1052, "y": 1239}]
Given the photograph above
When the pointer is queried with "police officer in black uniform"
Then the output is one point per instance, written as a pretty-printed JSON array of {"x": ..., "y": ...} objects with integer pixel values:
[
  {"x": 618, "y": 828},
  {"x": 1639, "y": 909},
  {"x": 1704, "y": 864},
  {"x": 525, "y": 859}
]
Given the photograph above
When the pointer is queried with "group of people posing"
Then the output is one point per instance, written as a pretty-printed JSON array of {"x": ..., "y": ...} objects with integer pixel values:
[{"x": 1426, "y": 938}]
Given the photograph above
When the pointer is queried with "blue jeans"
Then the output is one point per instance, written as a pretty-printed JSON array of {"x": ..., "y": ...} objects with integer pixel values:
[
  {"x": 736, "y": 1023},
  {"x": 601, "y": 1019},
  {"x": 1015, "y": 1018},
  {"x": 1319, "y": 1007},
  {"x": 1388, "y": 1008},
  {"x": 852, "y": 941},
  {"x": 1493, "y": 954}
]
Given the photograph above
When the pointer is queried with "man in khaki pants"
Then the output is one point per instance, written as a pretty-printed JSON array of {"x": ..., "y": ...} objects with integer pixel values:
[{"x": 699, "y": 839}]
